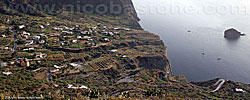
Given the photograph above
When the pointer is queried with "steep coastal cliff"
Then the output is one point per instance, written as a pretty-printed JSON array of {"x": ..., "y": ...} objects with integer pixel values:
[
  {"x": 113, "y": 7},
  {"x": 149, "y": 61}
]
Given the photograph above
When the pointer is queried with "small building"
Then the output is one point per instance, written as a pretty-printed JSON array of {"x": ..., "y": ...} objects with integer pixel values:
[
  {"x": 42, "y": 27},
  {"x": 124, "y": 56},
  {"x": 104, "y": 27},
  {"x": 116, "y": 28},
  {"x": 79, "y": 37},
  {"x": 58, "y": 29},
  {"x": 31, "y": 49},
  {"x": 70, "y": 86},
  {"x": 85, "y": 33},
  {"x": 111, "y": 34},
  {"x": 114, "y": 50},
  {"x": 12, "y": 62},
  {"x": 41, "y": 42},
  {"x": 240, "y": 90},
  {"x": 6, "y": 48},
  {"x": 24, "y": 62},
  {"x": 98, "y": 24},
  {"x": 75, "y": 64},
  {"x": 27, "y": 62},
  {"x": 84, "y": 87},
  {"x": 74, "y": 41},
  {"x": 40, "y": 55},
  {"x": 7, "y": 73},
  {"x": 55, "y": 70},
  {"x": 29, "y": 42},
  {"x": 36, "y": 38},
  {"x": 59, "y": 67},
  {"x": 56, "y": 85},
  {"x": 127, "y": 29},
  {"x": 25, "y": 33},
  {"x": 3, "y": 64},
  {"x": 86, "y": 37},
  {"x": 67, "y": 32},
  {"x": 106, "y": 39},
  {"x": 21, "y": 26}
]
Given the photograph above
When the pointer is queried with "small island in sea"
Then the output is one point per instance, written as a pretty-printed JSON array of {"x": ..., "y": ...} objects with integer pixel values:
[{"x": 232, "y": 33}]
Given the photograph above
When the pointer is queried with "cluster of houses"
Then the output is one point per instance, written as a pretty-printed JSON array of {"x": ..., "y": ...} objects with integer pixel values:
[
  {"x": 25, "y": 62},
  {"x": 70, "y": 86},
  {"x": 75, "y": 65},
  {"x": 70, "y": 35},
  {"x": 240, "y": 90},
  {"x": 5, "y": 64}
]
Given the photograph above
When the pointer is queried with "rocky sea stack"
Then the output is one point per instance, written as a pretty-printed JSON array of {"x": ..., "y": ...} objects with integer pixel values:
[{"x": 232, "y": 33}]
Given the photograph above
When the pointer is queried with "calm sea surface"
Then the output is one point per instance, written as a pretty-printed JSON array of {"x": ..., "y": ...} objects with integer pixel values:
[{"x": 192, "y": 27}]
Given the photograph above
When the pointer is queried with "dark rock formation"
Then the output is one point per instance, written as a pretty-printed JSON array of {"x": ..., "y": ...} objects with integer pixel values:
[
  {"x": 53, "y": 7},
  {"x": 153, "y": 62},
  {"x": 232, "y": 33}
]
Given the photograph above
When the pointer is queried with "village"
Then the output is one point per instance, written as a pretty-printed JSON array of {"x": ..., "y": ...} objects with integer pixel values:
[{"x": 37, "y": 51}]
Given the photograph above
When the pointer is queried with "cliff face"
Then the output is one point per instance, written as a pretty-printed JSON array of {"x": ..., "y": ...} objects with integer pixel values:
[{"x": 52, "y": 7}]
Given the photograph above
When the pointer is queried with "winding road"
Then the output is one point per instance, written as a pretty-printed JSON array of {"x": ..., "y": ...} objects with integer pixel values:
[{"x": 220, "y": 82}]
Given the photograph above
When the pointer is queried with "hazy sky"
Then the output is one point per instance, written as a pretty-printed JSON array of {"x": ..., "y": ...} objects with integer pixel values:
[{"x": 204, "y": 13}]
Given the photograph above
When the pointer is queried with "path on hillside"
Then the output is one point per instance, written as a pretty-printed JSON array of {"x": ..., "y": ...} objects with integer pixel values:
[{"x": 220, "y": 82}]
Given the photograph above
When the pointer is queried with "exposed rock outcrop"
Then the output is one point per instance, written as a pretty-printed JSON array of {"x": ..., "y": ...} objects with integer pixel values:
[
  {"x": 232, "y": 33},
  {"x": 153, "y": 62}
]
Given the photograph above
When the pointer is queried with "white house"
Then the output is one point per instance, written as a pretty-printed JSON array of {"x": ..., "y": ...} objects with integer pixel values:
[
  {"x": 85, "y": 32},
  {"x": 79, "y": 37},
  {"x": 70, "y": 86},
  {"x": 59, "y": 67},
  {"x": 31, "y": 49},
  {"x": 36, "y": 38},
  {"x": 86, "y": 37},
  {"x": 7, "y": 73},
  {"x": 56, "y": 28},
  {"x": 21, "y": 26},
  {"x": 74, "y": 41},
  {"x": 29, "y": 42},
  {"x": 116, "y": 28},
  {"x": 3, "y": 64},
  {"x": 240, "y": 90},
  {"x": 111, "y": 33},
  {"x": 56, "y": 70},
  {"x": 40, "y": 55},
  {"x": 114, "y": 50},
  {"x": 106, "y": 39},
  {"x": 41, "y": 42},
  {"x": 83, "y": 87},
  {"x": 42, "y": 27},
  {"x": 67, "y": 32},
  {"x": 75, "y": 64},
  {"x": 25, "y": 33}
]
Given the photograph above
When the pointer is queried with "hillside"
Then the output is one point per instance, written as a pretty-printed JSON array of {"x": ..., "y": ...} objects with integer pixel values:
[{"x": 78, "y": 55}]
